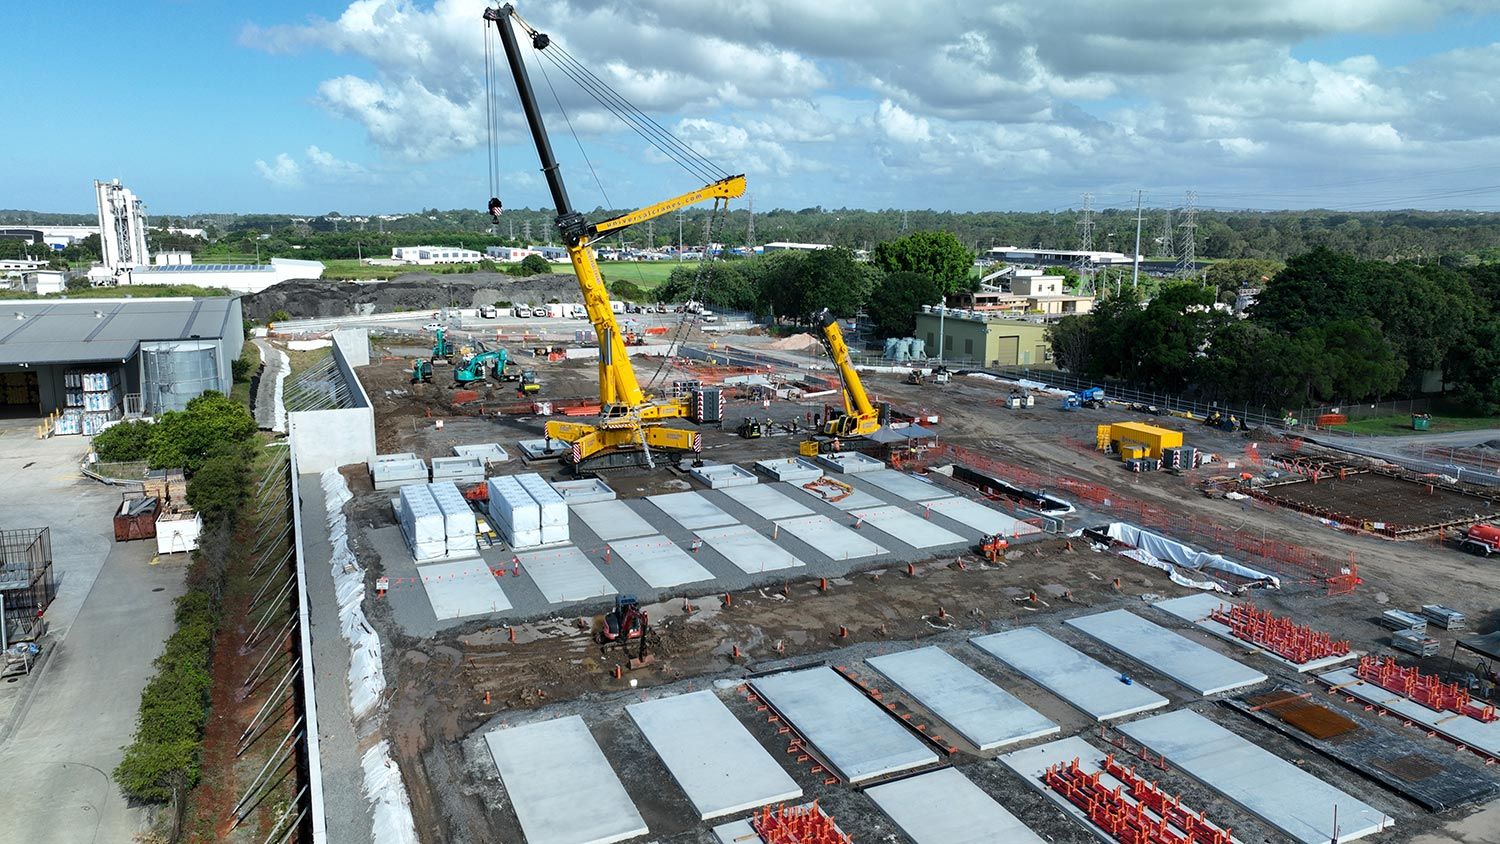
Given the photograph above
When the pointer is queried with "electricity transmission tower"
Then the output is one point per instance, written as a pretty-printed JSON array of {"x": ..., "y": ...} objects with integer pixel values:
[
  {"x": 750, "y": 228},
  {"x": 1189, "y": 226},
  {"x": 1086, "y": 240},
  {"x": 1167, "y": 248}
]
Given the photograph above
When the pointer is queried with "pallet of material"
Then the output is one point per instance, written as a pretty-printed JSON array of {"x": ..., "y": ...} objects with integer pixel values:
[
  {"x": 515, "y": 513},
  {"x": 422, "y": 523},
  {"x": 1414, "y": 642},
  {"x": 1403, "y": 620},
  {"x": 459, "y": 523},
  {"x": 553, "y": 508},
  {"x": 1447, "y": 618}
]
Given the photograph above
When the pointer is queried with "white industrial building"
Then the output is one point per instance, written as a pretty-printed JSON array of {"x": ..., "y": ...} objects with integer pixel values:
[
  {"x": 508, "y": 254},
  {"x": 1056, "y": 257},
  {"x": 426, "y": 255},
  {"x": 783, "y": 246},
  {"x": 122, "y": 227},
  {"x": 241, "y": 278},
  {"x": 43, "y": 282}
]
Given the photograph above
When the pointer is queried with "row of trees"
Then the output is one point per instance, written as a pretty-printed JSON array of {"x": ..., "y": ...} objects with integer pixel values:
[
  {"x": 794, "y": 286},
  {"x": 1328, "y": 327}
]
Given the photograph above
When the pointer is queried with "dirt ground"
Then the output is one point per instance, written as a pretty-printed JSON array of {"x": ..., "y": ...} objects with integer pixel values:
[
  {"x": 1400, "y": 504},
  {"x": 446, "y": 688}
]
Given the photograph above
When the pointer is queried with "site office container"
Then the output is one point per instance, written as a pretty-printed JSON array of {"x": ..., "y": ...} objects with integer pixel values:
[{"x": 1153, "y": 438}]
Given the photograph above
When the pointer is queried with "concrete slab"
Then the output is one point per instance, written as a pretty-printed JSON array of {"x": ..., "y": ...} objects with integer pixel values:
[
  {"x": 542, "y": 448},
  {"x": 944, "y": 807},
  {"x": 1258, "y": 781},
  {"x": 659, "y": 561},
  {"x": 561, "y": 785},
  {"x": 855, "y": 735},
  {"x": 459, "y": 470},
  {"x": 1073, "y": 676},
  {"x": 907, "y": 527},
  {"x": 1199, "y": 668},
  {"x": 750, "y": 552},
  {"x": 986, "y": 715},
  {"x": 830, "y": 538},
  {"x": 910, "y": 487},
  {"x": 488, "y": 452},
  {"x": 1196, "y": 608},
  {"x": 612, "y": 520},
  {"x": 858, "y": 499},
  {"x": 692, "y": 510},
  {"x": 791, "y": 469},
  {"x": 983, "y": 518},
  {"x": 1462, "y": 729},
  {"x": 584, "y": 491},
  {"x": 565, "y": 575},
  {"x": 849, "y": 462},
  {"x": 718, "y": 764},
  {"x": 768, "y": 502},
  {"x": 720, "y": 476},
  {"x": 462, "y": 588},
  {"x": 1033, "y": 762}
]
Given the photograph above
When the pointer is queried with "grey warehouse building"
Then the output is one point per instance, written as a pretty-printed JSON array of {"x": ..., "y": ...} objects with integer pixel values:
[{"x": 96, "y": 360}]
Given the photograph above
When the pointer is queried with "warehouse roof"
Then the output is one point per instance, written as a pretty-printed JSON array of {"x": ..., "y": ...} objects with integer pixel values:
[{"x": 74, "y": 331}]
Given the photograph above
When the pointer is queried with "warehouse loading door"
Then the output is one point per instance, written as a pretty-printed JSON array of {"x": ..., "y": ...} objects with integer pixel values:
[
  {"x": 20, "y": 395},
  {"x": 1008, "y": 349}
]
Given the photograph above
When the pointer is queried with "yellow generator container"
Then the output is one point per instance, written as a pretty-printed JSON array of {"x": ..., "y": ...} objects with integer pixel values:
[
  {"x": 1133, "y": 450},
  {"x": 1154, "y": 439},
  {"x": 1104, "y": 439}
]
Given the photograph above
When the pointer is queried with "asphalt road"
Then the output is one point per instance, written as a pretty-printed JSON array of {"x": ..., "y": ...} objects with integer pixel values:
[{"x": 62, "y": 728}]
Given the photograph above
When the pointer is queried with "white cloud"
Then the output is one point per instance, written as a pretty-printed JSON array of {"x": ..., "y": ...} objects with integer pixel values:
[
  {"x": 951, "y": 102},
  {"x": 283, "y": 171}
]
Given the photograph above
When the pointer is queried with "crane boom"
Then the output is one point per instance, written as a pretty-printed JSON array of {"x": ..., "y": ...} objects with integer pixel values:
[
  {"x": 630, "y": 419},
  {"x": 860, "y": 418}
]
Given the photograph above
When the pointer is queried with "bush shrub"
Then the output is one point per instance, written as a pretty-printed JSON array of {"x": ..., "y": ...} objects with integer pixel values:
[
  {"x": 186, "y": 438},
  {"x": 535, "y": 265},
  {"x": 124, "y": 441}
]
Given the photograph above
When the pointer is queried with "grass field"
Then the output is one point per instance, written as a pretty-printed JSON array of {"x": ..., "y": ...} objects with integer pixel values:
[{"x": 1390, "y": 426}]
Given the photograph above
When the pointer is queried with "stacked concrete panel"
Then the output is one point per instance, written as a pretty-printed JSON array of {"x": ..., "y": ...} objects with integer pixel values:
[
  {"x": 459, "y": 524},
  {"x": 553, "y": 509},
  {"x": 422, "y": 523},
  {"x": 515, "y": 513}
]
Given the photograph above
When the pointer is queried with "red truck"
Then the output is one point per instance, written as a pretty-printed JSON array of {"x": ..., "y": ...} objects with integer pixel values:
[{"x": 1483, "y": 540}]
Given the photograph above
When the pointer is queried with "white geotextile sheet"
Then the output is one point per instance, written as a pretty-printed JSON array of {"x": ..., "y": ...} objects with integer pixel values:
[
  {"x": 283, "y": 369},
  {"x": 1160, "y": 549},
  {"x": 390, "y": 821},
  {"x": 390, "y": 809}
]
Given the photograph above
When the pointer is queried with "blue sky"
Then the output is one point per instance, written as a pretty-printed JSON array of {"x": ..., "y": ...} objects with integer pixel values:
[{"x": 376, "y": 105}]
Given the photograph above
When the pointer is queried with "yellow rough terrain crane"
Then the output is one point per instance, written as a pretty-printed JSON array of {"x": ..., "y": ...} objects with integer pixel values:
[
  {"x": 860, "y": 418},
  {"x": 630, "y": 425}
]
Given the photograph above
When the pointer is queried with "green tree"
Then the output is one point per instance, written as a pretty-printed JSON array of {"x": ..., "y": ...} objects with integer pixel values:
[
  {"x": 279, "y": 316},
  {"x": 896, "y": 300},
  {"x": 797, "y": 289},
  {"x": 218, "y": 486},
  {"x": 937, "y": 254},
  {"x": 535, "y": 265},
  {"x": 1229, "y": 276},
  {"x": 627, "y": 291},
  {"x": 1072, "y": 341},
  {"x": 124, "y": 441},
  {"x": 186, "y": 438}
]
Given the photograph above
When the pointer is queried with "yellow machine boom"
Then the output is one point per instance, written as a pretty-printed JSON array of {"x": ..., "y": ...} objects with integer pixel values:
[{"x": 860, "y": 418}]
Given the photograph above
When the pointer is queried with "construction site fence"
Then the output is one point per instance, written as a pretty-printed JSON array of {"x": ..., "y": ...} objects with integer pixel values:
[
  {"x": 123, "y": 472},
  {"x": 26, "y": 574},
  {"x": 1295, "y": 563}
]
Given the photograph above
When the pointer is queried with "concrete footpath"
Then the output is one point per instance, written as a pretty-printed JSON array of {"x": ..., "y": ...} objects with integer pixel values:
[{"x": 63, "y": 728}]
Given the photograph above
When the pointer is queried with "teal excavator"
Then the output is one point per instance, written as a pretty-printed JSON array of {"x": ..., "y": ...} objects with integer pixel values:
[
  {"x": 476, "y": 368},
  {"x": 441, "y": 348}
]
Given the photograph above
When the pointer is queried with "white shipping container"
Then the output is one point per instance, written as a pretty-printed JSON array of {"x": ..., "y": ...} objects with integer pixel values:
[
  {"x": 513, "y": 511},
  {"x": 422, "y": 523},
  {"x": 553, "y": 534},
  {"x": 554, "y": 509},
  {"x": 459, "y": 521}
]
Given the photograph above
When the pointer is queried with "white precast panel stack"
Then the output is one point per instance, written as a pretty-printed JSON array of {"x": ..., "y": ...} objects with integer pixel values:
[
  {"x": 422, "y": 523},
  {"x": 459, "y": 523},
  {"x": 515, "y": 513},
  {"x": 554, "y": 508}
]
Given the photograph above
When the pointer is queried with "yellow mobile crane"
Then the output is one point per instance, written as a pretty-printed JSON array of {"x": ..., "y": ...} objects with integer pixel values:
[
  {"x": 860, "y": 418},
  {"x": 630, "y": 425}
]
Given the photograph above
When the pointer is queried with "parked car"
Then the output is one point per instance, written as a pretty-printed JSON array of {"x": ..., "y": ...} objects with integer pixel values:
[{"x": 433, "y": 326}]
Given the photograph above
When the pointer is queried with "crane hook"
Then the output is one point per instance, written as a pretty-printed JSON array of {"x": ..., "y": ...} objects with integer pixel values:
[{"x": 495, "y": 207}]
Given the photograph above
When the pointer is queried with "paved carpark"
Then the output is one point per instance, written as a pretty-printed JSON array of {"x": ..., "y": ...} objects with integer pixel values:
[
  {"x": 62, "y": 728},
  {"x": 412, "y": 610}
]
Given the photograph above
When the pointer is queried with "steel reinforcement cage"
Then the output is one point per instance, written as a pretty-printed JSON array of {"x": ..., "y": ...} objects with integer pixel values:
[{"x": 26, "y": 583}]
